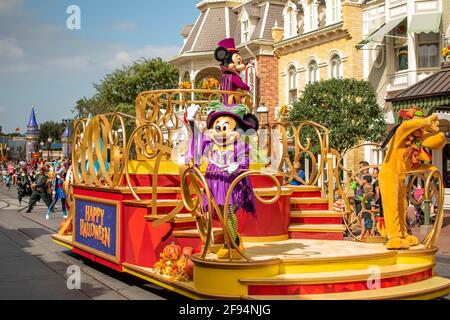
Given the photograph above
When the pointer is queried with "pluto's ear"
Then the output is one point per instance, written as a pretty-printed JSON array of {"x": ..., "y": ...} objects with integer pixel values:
[
  {"x": 220, "y": 54},
  {"x": 251, "y": 118}
]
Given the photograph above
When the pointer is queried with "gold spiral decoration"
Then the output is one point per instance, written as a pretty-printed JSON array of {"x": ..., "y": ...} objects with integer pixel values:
[{"x": 98, "y": 141}]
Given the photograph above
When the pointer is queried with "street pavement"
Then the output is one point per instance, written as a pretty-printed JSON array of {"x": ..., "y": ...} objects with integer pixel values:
[{"x": 33, "y": 267}]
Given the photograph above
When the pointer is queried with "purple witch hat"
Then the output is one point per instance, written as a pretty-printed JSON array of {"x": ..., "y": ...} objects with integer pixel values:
[{"x": 240, "y": 113}]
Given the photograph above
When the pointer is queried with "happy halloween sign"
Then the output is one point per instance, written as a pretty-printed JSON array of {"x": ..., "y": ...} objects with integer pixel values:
[{"x": 96, "y": 226}]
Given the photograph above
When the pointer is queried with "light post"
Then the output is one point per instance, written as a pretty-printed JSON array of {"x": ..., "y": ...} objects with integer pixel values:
[
  {"x": 49, "y": 147},
  {"x": 42, "y": 148},
  {"x": 263, "y": 114}
]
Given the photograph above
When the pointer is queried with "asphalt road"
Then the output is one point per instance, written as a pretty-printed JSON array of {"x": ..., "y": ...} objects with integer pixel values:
[{"x": 33, "y": 267}]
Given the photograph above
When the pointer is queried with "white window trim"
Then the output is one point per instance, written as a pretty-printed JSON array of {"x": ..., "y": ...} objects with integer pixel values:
[
  {"x": 417, "y": 48},
  {"x": 288, "y": 89},
  {"x": 333, "y": 54},
  {"x": 311, "y": 60},
  {"x": 288, "y": 33}
]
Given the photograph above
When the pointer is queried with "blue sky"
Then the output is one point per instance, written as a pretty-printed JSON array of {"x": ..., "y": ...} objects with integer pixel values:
[{"x": 43, "y": 63}]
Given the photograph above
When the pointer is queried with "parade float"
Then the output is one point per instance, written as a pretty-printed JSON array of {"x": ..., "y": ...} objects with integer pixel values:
[{"x": 143, "y": 202}]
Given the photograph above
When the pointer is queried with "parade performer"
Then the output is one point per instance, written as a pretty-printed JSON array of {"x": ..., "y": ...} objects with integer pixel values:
[
  {"x": 406, "y": 151},
  {"x": 40, "y": 190},
  {"x": 58, "y": 194},
  {"x": 23, "y": 185},
  {"x": 231, "y": 65},
  {"x": 228, "y": 154}
]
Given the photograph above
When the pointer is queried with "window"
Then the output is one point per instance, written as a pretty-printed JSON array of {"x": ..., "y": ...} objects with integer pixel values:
[
  {"x": 313, "y": 71},
  {"x": 290, "y": 22},
  {"x": 335, "y": 10},
  {"x": 401, "y": 47},
  {"x": 312, "y": 15},
  {"x": 428, "y": 50},
  {"x": 245, "y": 31},
  {"x": 335, "y": 65},
  {"x": 292, "y": 85}
]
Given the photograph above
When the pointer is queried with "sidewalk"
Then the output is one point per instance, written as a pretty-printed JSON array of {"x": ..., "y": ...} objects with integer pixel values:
[{"x": 444, "y": 238}]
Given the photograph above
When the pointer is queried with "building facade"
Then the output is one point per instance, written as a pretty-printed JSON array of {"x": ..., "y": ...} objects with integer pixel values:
[
  {"x": 317, "y": 41},
  {"x": 402, "y": 44},
  {"x": 250, "y": 23}
]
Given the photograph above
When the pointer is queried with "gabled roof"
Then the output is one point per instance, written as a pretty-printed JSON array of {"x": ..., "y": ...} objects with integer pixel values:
[
  {"x": 219, "y": 21},
  {"x": 435, "y": 85}
]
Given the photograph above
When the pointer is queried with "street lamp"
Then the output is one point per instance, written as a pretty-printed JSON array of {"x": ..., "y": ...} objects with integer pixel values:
[
  {"x": 49, "y": 147},
  {"x": 263, "y": 113}
]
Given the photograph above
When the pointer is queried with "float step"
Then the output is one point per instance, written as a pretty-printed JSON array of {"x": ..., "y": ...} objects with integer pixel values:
[
  {"x": 389, "y": 271},
  {"x": 427, "y": 289},
  {"x": 316, "y": 214},
  {"x": 309, "y": 200},
  {"x": 316, "y": 217},
  {"x": 149, "y": 203},
  {"x": 317, "y": 228},
  {"x": 149, "y": 190},
  {"x": 179, "y": 218},
  {"x": 193, "y": 233}
]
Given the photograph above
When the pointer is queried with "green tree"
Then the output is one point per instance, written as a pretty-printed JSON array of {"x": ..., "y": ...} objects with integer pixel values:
[
  {"x": 347, "y": 107},
  {"x": 118, "y": 91},
  {"x": 51, "y": 129},
  {"x": 92, "y": 105}
]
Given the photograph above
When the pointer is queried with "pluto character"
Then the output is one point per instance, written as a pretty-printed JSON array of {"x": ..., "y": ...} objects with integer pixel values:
[{"x": 406, "y": 151}]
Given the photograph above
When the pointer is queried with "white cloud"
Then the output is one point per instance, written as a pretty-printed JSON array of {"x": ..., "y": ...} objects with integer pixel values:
[
  {"x": 125, "y": 57},
  {"x": 124, "y": 26},
  {"x": 10, "y": 49},
  {"x": 8, "y": 6}
]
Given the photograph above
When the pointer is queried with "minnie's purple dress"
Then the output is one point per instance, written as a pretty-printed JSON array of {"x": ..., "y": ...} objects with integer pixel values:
[
  {"x": 231, "y": 81},
  {"x": 217, "y": 176}
]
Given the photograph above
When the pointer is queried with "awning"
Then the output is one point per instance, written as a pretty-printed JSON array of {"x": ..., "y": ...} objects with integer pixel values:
[
  {"x": 424, "y": 22},
  {"x": 378, "y": 35}
]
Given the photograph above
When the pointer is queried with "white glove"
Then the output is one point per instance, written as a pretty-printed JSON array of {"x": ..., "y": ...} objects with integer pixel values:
[
  {"x": 232, "y": 168},
  {"x": 192, "y": 112}
]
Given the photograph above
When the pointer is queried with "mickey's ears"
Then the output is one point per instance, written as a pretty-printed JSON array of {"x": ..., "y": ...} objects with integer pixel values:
[{"x": 220, "y": 54}]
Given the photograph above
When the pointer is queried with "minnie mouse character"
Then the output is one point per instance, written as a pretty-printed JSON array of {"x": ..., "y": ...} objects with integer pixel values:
[
  {"x": 228, "y": 154},
  {"x": 231, "y": 66}
]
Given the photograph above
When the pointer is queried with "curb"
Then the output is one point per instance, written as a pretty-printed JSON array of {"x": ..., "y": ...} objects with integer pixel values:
[{"x": 443, "y": 258}]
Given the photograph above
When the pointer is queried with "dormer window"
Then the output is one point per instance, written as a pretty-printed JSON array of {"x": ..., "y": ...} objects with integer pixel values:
[
  {"x": 335, "y": 11},
  {"x": 290, "y": 20},
  {"x": 311, "y": 14},
  {"x": 245, "y": 31}
]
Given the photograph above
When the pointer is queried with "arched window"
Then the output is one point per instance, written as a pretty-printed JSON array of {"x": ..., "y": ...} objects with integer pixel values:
[
  {"x": 335, "y": 67},
  {"x": 290, "y": 21},
  {"x": 335, "y": 11},
  {"x": 292, "y": 85},
  {"x": 311, "y": 15},
  {"x": 313, "y": 72}
]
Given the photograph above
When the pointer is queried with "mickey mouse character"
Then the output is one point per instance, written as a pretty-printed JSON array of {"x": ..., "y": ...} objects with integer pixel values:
[{"x": 231, "y": 66}]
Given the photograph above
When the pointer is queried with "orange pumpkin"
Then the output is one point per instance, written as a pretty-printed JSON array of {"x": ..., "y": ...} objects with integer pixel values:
[
  {"x": 172, "y": 252},
  {"x": 189, "y": 268},
  {"x": 187, "y": 251}
]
